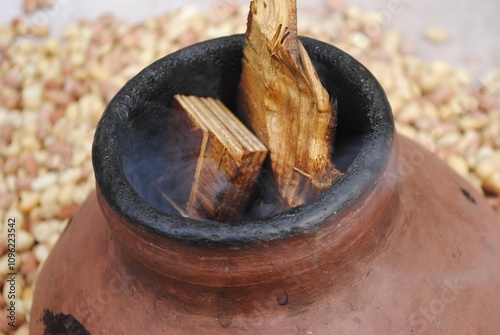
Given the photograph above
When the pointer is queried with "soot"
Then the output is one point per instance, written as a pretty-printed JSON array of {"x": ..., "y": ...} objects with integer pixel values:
[{"x": 159, "y": 163}]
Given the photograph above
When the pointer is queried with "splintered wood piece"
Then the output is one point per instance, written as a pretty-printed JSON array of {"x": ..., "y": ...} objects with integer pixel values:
[
  {"x": 229, "y": 161},
  {"x": 286, "y": 105}
]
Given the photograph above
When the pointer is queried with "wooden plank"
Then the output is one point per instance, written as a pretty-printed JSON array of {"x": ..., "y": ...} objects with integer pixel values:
[
  {"x": 229, "y": 162},
  {"x": 286, "y": 105}
]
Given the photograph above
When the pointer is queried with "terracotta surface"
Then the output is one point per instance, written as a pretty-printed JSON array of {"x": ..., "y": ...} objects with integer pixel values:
[
  {"x": 419, "y": 254},
  {"x": 399, "y": 245}
]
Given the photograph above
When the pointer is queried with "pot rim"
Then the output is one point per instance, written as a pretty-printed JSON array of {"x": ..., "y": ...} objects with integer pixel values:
[{"x": 360, "y": 178}]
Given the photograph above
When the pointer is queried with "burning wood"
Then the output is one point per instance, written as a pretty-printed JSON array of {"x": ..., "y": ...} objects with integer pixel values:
[
  {"x": 228, "y": 164},
  {"x": 287, "y": 107}
]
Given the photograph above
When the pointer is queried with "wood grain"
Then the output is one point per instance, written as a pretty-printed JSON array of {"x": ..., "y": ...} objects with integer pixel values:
[
  {"x": 229, "y": 162},
  {"x": 288, "y": 108}
]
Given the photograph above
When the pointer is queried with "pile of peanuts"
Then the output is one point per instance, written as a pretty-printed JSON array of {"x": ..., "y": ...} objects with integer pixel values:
[{"x": 54, "y": 90}]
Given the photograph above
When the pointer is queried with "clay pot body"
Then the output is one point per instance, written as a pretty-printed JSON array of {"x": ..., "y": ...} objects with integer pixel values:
[{"x": 399, "y": 245}]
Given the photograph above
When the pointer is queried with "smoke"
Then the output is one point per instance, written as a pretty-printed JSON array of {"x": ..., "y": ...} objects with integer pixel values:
[{"x": 159, "y": 156}]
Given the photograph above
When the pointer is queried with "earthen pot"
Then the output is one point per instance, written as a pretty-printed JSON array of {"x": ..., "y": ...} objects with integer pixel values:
[{"x": 399, "y": 245}]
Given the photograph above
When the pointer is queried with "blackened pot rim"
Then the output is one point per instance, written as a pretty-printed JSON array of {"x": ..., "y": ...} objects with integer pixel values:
[{"x": 360, "y": 178}]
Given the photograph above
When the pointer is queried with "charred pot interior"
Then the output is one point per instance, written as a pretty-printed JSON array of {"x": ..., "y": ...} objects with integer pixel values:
[{"x": 137, "y": 143}]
